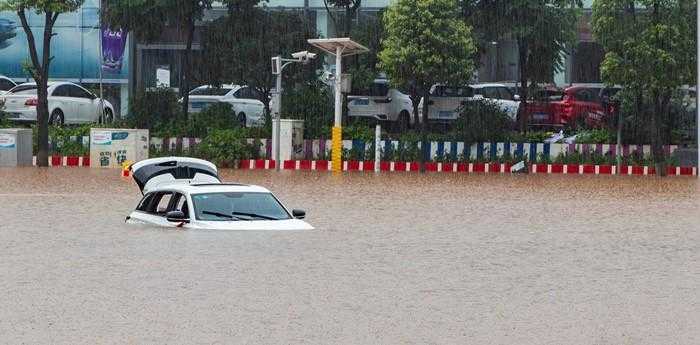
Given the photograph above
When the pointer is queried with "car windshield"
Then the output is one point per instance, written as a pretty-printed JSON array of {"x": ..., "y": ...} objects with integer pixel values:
[
  {"x": 24, "y": 90},
  {"x": 227, "y": 206},
  {"x": 210, "y": 91}
]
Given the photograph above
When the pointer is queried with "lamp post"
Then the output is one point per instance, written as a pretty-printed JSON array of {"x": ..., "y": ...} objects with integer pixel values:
[
  {"x": 697, "y": 85},
  {"x": 340, "y": 47},
  {"x": 278, "y": 65}
]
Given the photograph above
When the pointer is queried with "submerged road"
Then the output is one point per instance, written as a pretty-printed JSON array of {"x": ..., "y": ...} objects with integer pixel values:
[{"x": 395, "y": 259}]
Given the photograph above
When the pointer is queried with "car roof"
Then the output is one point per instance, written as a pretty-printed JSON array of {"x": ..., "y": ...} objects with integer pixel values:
[
  {"x": 223, "y": 86},
  {"x": 197, "y": 188},
  {"x": 478, "y": 86},
  {"x": 50, "y": 84}
]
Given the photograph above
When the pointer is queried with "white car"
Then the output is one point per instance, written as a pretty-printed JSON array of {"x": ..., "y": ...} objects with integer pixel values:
[
  {"x": 446, "y": 102},
  {"x": 501, "y": 95},
  {"x": 244, "y": 100},
  {"x": 384, "y": 103},
  {"x": 187, "y": 193},
  {"x": 68, "y": 104},
  {"x": 6, "y": 84}
]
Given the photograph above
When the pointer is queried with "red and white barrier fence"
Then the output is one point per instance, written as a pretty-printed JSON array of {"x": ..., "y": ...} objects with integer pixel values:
[
  {"x": 67, "y": 161},
  {"x": 496, "y": 168}
]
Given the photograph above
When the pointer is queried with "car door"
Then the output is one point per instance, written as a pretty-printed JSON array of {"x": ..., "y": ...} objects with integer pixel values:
[
  {"x": 61, "y": 99},
  {"x": 5, "y": 85},
  {"x": 252, "y": 105},
  {"x": 153, "y": 208},
  {"x": 85, "y": 102}
]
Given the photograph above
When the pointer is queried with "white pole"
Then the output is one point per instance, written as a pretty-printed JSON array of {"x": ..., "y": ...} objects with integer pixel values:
[
  {"x": 338, "y": 85},
  {"x": 697, "y": 85},
  {"x": 102, "y": 59},
  {"x": 377, "y": 146},
  {"x": 278, "y": 120}
]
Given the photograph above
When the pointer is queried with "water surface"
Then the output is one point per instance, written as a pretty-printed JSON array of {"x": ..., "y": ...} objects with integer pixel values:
[{"x": 396, "y": 259}]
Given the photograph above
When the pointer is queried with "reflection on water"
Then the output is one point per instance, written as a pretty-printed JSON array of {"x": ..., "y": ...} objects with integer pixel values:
[{"x": 400, "y": 258}]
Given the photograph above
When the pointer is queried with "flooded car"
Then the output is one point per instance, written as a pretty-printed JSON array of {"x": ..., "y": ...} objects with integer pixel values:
[{"x": 187, "y": 193}]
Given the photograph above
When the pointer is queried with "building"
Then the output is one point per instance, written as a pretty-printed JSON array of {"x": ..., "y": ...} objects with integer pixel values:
[{"x": 75, "y": 49}]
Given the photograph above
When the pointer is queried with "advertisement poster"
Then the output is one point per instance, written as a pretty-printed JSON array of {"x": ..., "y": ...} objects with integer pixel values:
[
  {"x": 7, "y": 141},
  {"x": 102, "y": 138},
  {"x": 113, "y": 46}
]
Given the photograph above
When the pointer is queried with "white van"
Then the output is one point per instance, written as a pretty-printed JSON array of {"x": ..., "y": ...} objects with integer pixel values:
[{"x": 384, "y": 103}]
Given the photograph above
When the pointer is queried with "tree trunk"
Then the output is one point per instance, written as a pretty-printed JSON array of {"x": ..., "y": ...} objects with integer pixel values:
[
  {"x": 186, "y": 68},
  {"x": 524, "y": 87},
  {"x": 656, "y": 139}
]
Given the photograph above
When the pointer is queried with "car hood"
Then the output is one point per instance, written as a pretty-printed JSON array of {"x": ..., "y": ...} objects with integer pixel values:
[{"x": 255, "y": 225}]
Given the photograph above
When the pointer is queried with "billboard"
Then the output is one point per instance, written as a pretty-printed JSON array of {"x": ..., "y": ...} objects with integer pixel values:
[{"x": 75, "y": 46}]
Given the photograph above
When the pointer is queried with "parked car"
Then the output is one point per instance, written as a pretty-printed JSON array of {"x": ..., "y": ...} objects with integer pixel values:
[
  {"x": 384, "y": 103},
  {"x": 6, "y": 84},
  {"x": 575, "y": 106},
  {"x": 69, "y": 103},
  {"x": 501, "y": 95},
  {"x": 447, "y": 101},
  {"x": 244, "y": 100}
]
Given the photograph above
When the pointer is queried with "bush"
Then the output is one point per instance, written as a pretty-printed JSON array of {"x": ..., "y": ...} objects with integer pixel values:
[
  {"x": 482, "y": 121},
  {"x": 311, "y": 102},
  {"x": 226, "y": 146},
  {"x": 153, "y": 108}
]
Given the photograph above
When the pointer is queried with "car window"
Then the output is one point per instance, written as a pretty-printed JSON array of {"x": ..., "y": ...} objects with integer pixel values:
[
  {"x": 6, "y": 84},
  {"x": 181, "y": 204},
  {"x": 145, "y": 203},
  {"x": 61, "y": 91},
  {"x": 162, "y": 202},
  {"x": 453, "y": 91},
  {"x": 504, "y": 93},
  {"x": 489, "y": 92},
  {"x": 379, "y": 89},
  {"x": 221, "y": 206},
  {"x": 78, "y": 92},
  {"x": 24, "y": 90}
]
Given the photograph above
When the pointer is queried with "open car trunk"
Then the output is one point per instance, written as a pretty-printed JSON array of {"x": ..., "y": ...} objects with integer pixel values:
[{"x": 151, "y": 173}]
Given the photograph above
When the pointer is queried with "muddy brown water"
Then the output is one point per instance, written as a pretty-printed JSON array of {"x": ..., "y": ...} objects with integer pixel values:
[{"x": 396, "y": 259}]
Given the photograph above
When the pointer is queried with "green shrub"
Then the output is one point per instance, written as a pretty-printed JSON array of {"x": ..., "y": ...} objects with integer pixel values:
[
  {"x": 225, "y": 146},
  {"x": 152, "y": 108},
  {"x": 482, "y": 121}
]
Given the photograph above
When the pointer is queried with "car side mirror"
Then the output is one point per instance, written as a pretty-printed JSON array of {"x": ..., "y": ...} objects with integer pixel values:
[
  {"x": 299, "y": 214},
  {"x": 516, "y": 97},
  {"x": 176, "y": 217}
]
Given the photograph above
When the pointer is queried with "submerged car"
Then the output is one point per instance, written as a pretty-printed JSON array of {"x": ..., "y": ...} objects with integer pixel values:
[{"x": 187, "y": 193}]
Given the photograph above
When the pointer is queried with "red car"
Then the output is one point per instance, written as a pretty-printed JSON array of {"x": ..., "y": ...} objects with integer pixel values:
[{"x": 575, "y": 106}]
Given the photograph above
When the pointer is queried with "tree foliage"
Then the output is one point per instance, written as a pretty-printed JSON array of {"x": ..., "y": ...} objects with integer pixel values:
[
  {"x": 543, "y": 30},
  {"x": 426, "y": 42},
  {"x": 147, "y": 19},
  {"x": 236, "y": 49},
  {"x": 40, "y": 60},
  {"x": 650, "y": 51}
]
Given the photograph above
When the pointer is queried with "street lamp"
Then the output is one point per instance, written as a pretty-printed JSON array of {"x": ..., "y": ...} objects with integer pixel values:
[
  {"x": 278, "y": 65},
  {"x": 339, "y": 47}
]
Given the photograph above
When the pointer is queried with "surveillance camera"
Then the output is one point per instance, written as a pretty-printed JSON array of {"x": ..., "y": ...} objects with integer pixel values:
[{"x": 304, "y": 56}]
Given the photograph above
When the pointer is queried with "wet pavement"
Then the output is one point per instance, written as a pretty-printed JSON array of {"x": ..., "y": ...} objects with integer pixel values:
[{"x": 396, "y": 259}]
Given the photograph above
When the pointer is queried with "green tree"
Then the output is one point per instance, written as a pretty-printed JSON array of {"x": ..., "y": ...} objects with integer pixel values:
[
  {"x": 426, "y": 42},
  {"x": 237, "y": 50},
  {"x": 650, "y": 51},
  {"x": 542, "y": 29},
  {"x": 146, "y": 20},
  {"x": 40, "y": 58},
  {"x": 349, "y": 7}
]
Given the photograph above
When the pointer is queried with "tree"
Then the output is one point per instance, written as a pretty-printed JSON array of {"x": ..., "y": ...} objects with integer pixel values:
[
  {"x": 350, "y": 8},
  {"x": 146, "y": 20},
  {"x": 426, "y": 43},
  {"x": 650, "y": 51},
  {"x": 542, "y": 29},
  {"x": 40, "y": 57},
  {"x": 237, "y": 50}
]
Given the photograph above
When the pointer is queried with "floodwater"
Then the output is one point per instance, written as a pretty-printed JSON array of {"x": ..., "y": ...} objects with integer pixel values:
[{"x": 396, "y": 259}]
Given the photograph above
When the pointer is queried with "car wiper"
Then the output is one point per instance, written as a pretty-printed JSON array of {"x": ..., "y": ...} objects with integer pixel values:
[
  {"x": 223, "y": 215},
  {"x": 255, "y": 215}
]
